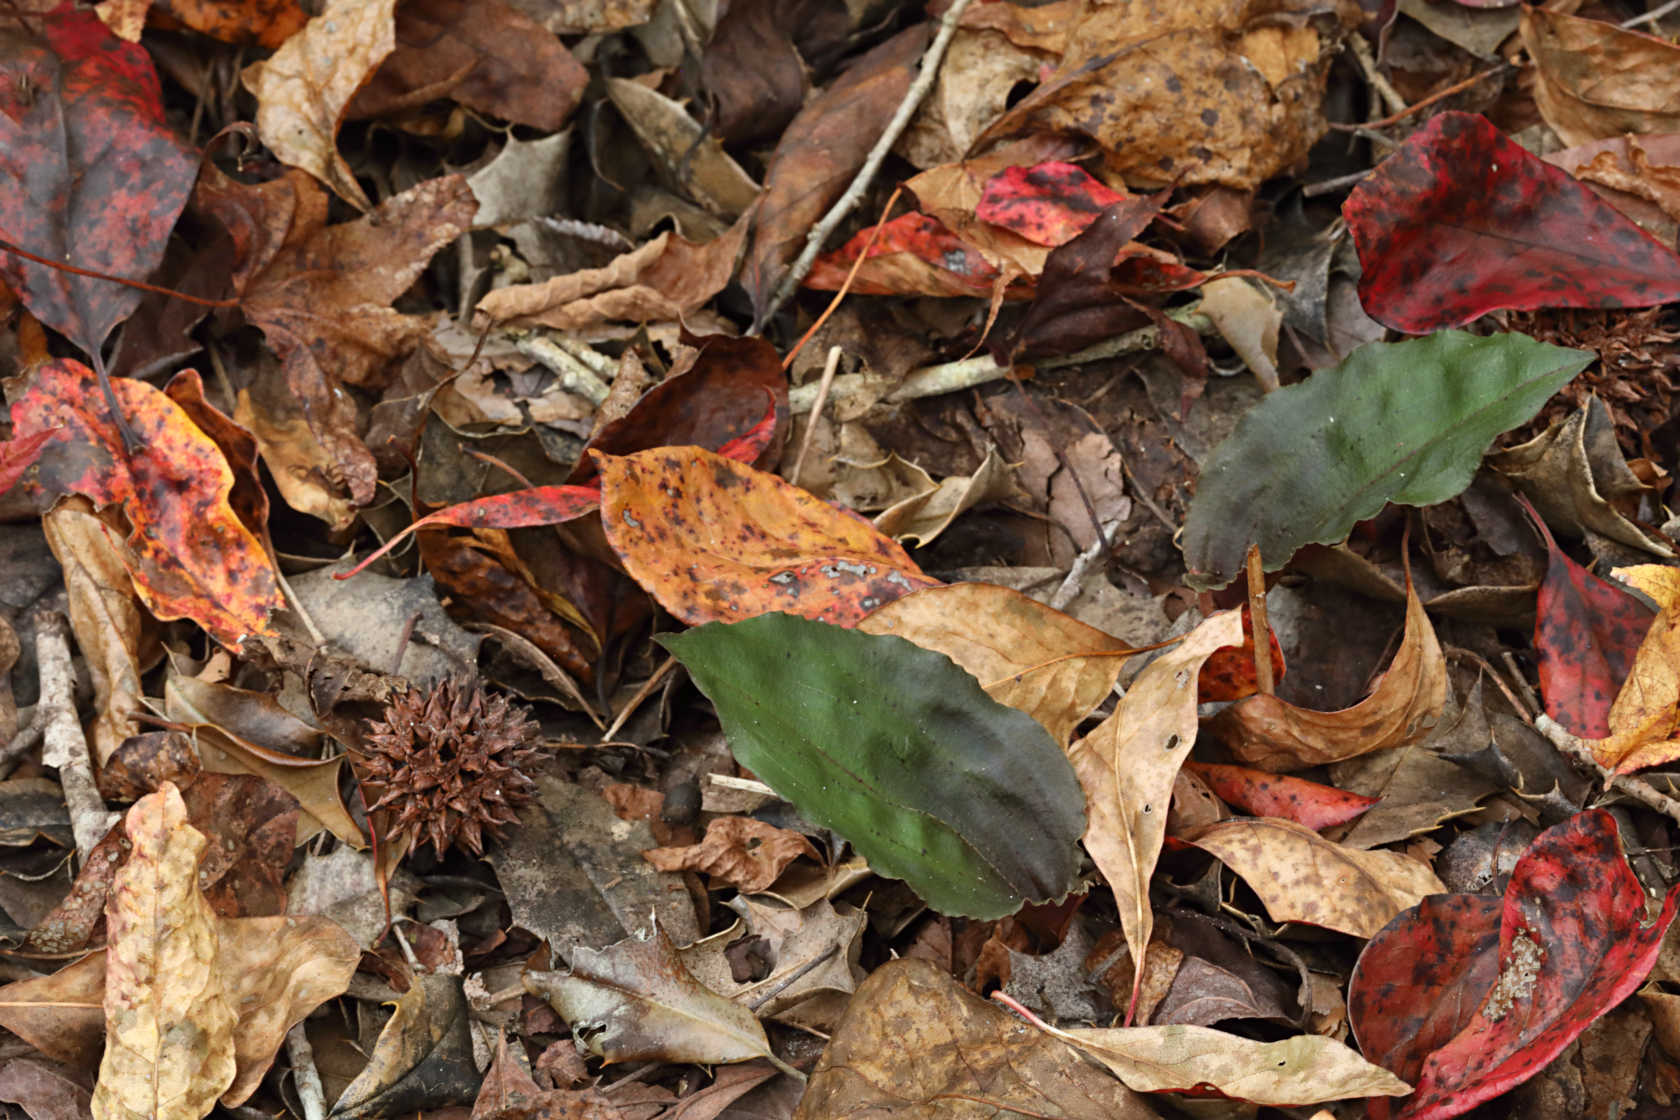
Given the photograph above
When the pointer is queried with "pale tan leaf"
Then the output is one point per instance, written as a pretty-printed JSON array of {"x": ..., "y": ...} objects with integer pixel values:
[
  {"x": 1027, "y": 655},
  {"x": 1302, "y": 877},
  {"x": 169, "y": 1026},
  {"x": 1128, "y": 764}
]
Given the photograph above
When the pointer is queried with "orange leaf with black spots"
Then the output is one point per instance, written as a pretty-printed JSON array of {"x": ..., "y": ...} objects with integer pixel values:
[
  {"x": 714, "y": 540},
  {"x": 18, "y": 455},
  {"x": 1229, "y": 673},
  {"x": 1278, "y": 795},
  {"x": 188, "y": 552},
  {"x": 1587, "y": 632}
]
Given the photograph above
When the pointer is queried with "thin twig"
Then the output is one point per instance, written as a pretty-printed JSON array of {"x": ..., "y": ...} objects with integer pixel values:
[
  {"x": 66, "y": 746},
  {"x": 1259, "y": 623},
  {"x": 829, "y": 368},
  {"x": 1368, "y": 63},
  {"x": 1438, "y": 95},
  {"x": 1577, "y": 751},
  {"x": 1651, "y": 16},
  {"x": 871, "y": 164},
  {"x": 635, "y": 701},
  {"x": 1340, "y": 182},
  {"x": 1074, "y": 582},
  {"x": 312, "y": 1095}
]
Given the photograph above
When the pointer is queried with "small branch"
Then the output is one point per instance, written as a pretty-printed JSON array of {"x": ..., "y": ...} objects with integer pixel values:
[
  {"x": 1577, "y": 751},
  {"x": 311, "y": 1094},
  {"x": 872, "y": 163},
  {"x": 1074, "y": 582},
  {"x": 827, "y": 380},
  {"x": 1368, "y": 63},
  {"x": 574, "y": 373},
  {"x": 1260, "y": 624},
  {"x": 66, "y": 746}
]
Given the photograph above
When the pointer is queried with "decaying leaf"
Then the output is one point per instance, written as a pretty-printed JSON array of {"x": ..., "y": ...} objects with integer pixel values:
[{"x": 745, "y": 853}]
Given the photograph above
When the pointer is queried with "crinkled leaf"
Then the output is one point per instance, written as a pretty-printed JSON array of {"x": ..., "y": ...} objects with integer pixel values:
[
  {"x": 901, "y": 752},
  {"x": 1394, "y": 422},
  {"x": 1469, "y": 1000},
  {"x": 1462, "y": 221},
  {"x": 89, "y": 171},
  {"x": 713, "y": 539}
]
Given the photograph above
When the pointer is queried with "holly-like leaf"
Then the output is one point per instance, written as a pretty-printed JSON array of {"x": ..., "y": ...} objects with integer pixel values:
[
  {"x": 1468, "y": 998},
  {"x": 1399, "y": 422},
  {"x": 89, "y": 172},
  {"x": 1050, "y": 203},
  {"x": 1462, "y": 221},
  {"x": 713, "y": 539},
  {"x": 1587, "y": 632},
  {"x": 1306, "y": 803},
  {"x": 189, "y": 553},
  {"x": 901, "y": 752}
]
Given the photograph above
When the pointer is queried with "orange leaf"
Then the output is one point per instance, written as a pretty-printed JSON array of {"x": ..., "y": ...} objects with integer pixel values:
[
  {"x": 190, "y": 555},
  {"x": 714, "y": 540}
]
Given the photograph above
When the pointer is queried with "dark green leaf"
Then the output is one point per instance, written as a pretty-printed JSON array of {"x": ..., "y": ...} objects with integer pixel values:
[
  {"x": 1395, "y": 422},
  {"x": 901, "y": 752}
]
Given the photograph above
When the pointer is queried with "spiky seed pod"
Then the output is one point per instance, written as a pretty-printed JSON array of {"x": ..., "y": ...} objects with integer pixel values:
[{"x": 449, "y": 763}]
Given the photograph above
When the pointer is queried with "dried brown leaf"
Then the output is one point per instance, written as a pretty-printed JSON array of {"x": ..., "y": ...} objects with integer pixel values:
[{"x": 741, "y": 852}]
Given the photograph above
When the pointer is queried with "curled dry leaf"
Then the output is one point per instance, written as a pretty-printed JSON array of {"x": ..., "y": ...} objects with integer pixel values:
[
  {"x": 1025, "y": 654},
  {"x": 169, "y": 1024},
  {"x": 741, "y": 852},
  {"x": 634, "y": 1001},
  {"x": 1127, "y": 767},
  {"x": 1646, "y": 711},
  {"x": 1594, "y": 80},
  {"x": 1273, "y": 734},
  {"x": 712, "y": 539},
  {"x": 1302, "y": 877}
]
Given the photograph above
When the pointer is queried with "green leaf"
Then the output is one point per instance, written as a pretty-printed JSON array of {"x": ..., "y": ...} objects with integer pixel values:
[
  {"x": 1400, "y": 422},
  {"x": 901, "y": 752}
]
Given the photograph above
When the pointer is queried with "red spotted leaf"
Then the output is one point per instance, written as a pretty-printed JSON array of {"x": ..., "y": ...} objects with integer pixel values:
[
  {"x": 714, "y": 540},
  {"x": 912, "y": 255},
  {"x": 1467, "y": 997},
  {"x": 189, "y": 553},
  {"x": 1587, "y": 632},
  {"x": 1229, "y": 674},
  {"x": 1462, "y": 221},
  {"x": 1279, "y": 795},
  {"x": 89, "y": 172},
  {"x": 1049, "y": 204},
  {"x": 18, "y": 455}
]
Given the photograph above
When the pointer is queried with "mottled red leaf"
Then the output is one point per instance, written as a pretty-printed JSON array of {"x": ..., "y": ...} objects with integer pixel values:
[
  {"x": 188, "y": 552},
  {"x": 1229, "y": 674},
  {"x": 913, "y": 255},
  {"x": 1049, "y": 204},
  {"x": 1462, "y": 221},
  {"x": 89, "y": 172},
  {"x": 517, "y": 509},
  {"x": 18, "y": 455},
  {"x": 1279, "y": 795},
  {"x": 714, "y": 540},
  {"x": 1466, "y": 997},
  {"x": 1587, "y": 632}
]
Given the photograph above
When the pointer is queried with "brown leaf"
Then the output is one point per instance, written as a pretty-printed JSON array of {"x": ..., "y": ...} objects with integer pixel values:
[
  {"x": 302, "y": 91},
  {"x": 1027, "y": 655},
  {"x": 1127, "y": 767},
  {"x": 1302, "y": 877},
  {"x": 61, "y": 1015},
  {"x": 1273, "y": 734},
  {"x": 820, "y": 152},
  {"x": 45, "y": 1090},
  {"x": 1594, "y": 80},
  {"x": 169, "y": 1023},
  {"x": 485, "y": 55},
  {"x": 741, "y": 852},
  {"x": 634, "y": 1001},
  {"x": 915, "y": 1043}
]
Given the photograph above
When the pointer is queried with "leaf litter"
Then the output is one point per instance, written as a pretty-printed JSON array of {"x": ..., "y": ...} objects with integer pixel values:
[{"x": 856, "y": 640}]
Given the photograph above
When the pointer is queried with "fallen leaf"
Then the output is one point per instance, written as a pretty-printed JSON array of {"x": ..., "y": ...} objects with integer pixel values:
[
  {"x": 923, "y": 517},
  {"x": 969, "y": 1055},
  {"x": 1127, "y": 766},
  {"x": 812, "y": 959},
  {"x": 1025, "y": 654},
  {"x": 1302, "y": 877},
  {"x": 18, "y": 455},
  {"x": 1462, "y": 221},
  {"x": 1049, "y": 203},
  {"x": 91, "y": 172},
  {"x": 1644, "y": 720},
  {"x": 169, "y": 1022},
  {"x": 901, "y": 752},
  {"x": 740, "y": 852},
  {"x": 1469, "y": 996},
  {"x": 911, "y": 255},
  {"x": 423, "y": 1058},
  {"x": 712, "y": 539},
  {"x": 634, "y": 1001},
  {"x": 189, "y": 554},
  {"x": 1230, "y": 673},
  {"x": 268, "y": 23},
  {"x": 1277, "y": 795},
  {"x": 44, "y": 1090},
  {"x": 1587, "y": 632},
  {"x": 682, "y": 148},
  {"x": 303, "y": 90},
  {"x": 820, "y": 152},
  {"x": 1594, "y": 80},
  {"x": 60, "y": 1014}
]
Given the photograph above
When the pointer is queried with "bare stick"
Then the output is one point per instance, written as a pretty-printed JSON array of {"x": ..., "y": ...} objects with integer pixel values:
[
  {"x": 66, "y": 746},
  {"x": 1577, "y": 751},
  {"x": 829, "y": 367},
  {"x": 872, "y": 163},
  {"x": 311, "y": 1094},
  {"x": 1261, "y": 626},
  {"x": 1368, "y": 63}
]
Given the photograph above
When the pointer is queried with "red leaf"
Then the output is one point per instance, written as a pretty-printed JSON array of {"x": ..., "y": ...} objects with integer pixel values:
[
  {"x": 1587, "y": 632},
  {"x": 1463, "y": 1016},
  {"x": 18, "y": 455},
  {"x": 89, "y": 172},
  {"x": 1461, "y": 221},
  {"x": 1229, "y": 673},
  {"x": 517, "y": 509},
  {"x": 1049, "y": 204},
  {"x": 946, "y": 265},
  {"x": 1278, "y": 795}
]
